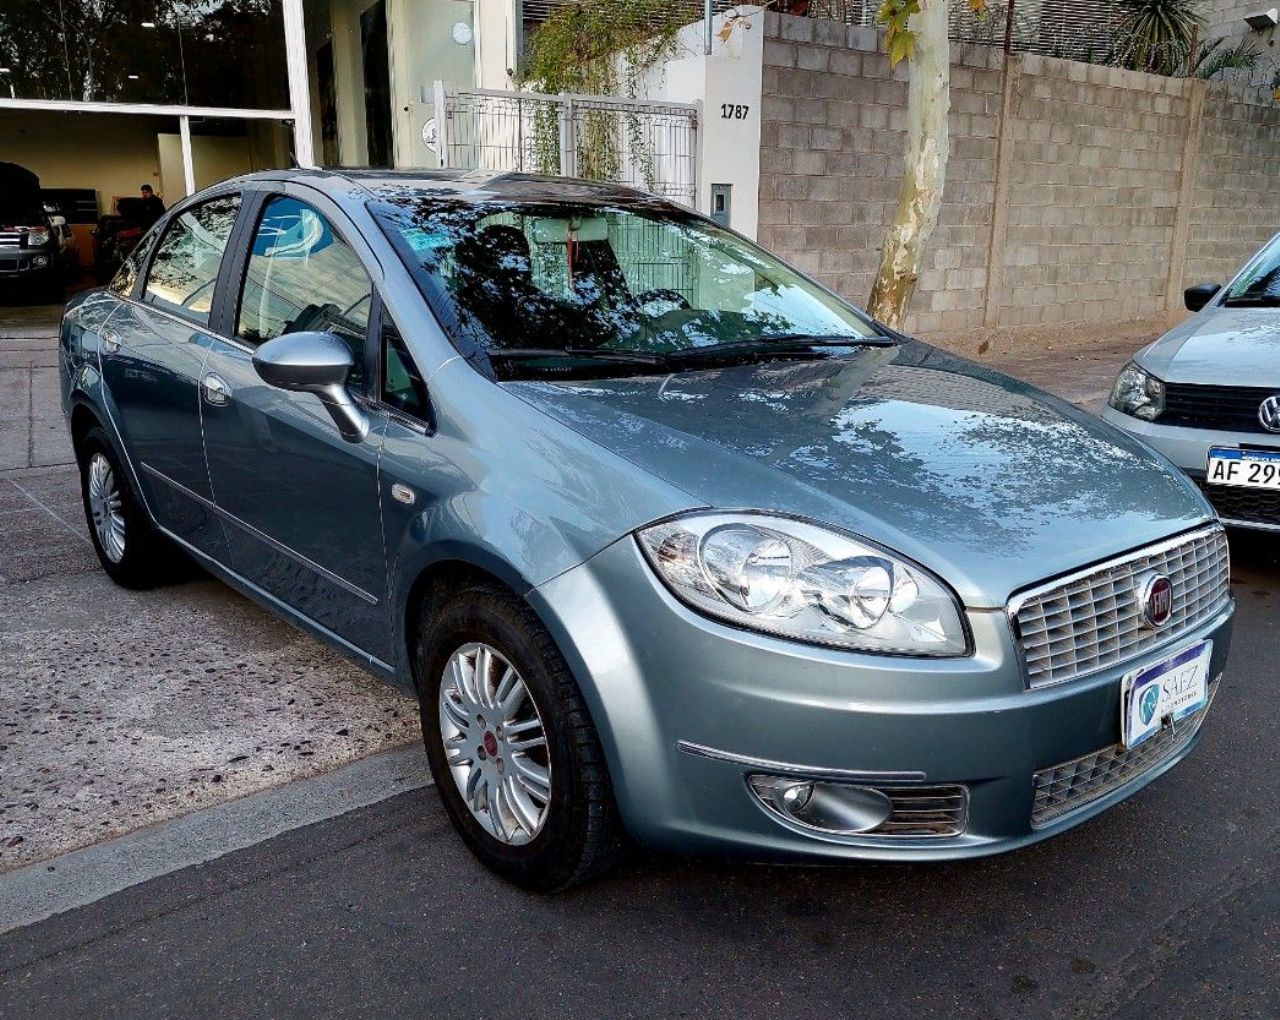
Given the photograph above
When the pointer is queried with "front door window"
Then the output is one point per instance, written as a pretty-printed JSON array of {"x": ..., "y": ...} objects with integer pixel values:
[{"x": 302, "y": 276}]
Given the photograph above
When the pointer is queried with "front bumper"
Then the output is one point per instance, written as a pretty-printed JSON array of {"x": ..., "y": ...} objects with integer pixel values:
[
  {"x": 25, "y": 263},
  {"x": 1189, "y": 449},
  {"x": 689, "y": 709}
]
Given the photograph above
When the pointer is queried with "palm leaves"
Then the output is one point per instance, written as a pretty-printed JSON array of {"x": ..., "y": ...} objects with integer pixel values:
[
  {"x": 1158, "y": 35},
  {"x": 1214, "y": 58}
]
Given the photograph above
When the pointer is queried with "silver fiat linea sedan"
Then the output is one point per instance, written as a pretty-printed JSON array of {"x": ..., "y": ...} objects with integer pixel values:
[
  {"x": 669, "y": 542},
  {"x": 1207, "y": 393}
]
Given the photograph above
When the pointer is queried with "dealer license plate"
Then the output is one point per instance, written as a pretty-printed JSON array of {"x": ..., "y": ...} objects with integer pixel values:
[
  {"x": 1171, "y": 689},
  {"x": 1250, "y": 469}
]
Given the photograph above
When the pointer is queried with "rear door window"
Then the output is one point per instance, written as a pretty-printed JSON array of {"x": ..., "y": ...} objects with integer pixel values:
[{"x": 184, "y": 270}]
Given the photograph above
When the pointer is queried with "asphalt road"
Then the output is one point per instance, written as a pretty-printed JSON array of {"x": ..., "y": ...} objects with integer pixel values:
[{"x": 1165, "y": 906}]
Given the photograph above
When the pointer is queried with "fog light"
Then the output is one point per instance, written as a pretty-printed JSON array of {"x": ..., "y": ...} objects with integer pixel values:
[
  {"x": 836, "y": 808},
  {"x": 39, "y": 261}
]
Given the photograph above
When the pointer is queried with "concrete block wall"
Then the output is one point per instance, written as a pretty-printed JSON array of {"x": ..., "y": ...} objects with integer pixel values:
[
  {"x": 833, "y": 130},
  {"x": 1094, "y": 178},
  {"x": 1075, "y": 193},
  {"x": 1237, "y": 191}
]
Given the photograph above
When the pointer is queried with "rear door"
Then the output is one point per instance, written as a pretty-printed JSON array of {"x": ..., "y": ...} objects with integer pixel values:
[
  {"x": 300, "y": 503},
  {"x": 152, "y": 352}
]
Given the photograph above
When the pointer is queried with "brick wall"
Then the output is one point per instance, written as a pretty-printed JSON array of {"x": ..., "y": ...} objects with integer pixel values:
[{"x": 1066, "y": 200}]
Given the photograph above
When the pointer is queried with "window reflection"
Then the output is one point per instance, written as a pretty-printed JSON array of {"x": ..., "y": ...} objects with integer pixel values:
[
  {"x": 558, "y": 276},
  {"x": 303, "y": 276},
  {"x": 226, "y": 53},
  {"x": 185, "y": 268}
]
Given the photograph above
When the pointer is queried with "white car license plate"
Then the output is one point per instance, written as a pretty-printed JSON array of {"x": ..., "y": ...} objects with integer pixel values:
[
  {"x": 1250, "y": 469},
  {"x": 1173, "y": 689}
]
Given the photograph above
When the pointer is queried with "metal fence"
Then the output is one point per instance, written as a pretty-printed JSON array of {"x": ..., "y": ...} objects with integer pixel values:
[
  {"x": 1075, "y": 29},
  {"x": 1085, "y": 30},
  {"x": 646, "y": 145}
]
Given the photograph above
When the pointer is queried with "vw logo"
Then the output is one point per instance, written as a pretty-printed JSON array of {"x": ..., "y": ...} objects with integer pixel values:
[
  {"x": 1155, "y": 597},
  {"x": 1269, "y": 414}
]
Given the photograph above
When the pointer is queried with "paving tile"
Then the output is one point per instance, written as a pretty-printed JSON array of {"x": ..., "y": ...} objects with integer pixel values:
[
  {"x": 15, "y": 394},
  {"x": 13, "y": 499},
  {"x": 15, "y": 440},
  {"x": 119, "y": 708},
  {"x": 40, "y": 545}
]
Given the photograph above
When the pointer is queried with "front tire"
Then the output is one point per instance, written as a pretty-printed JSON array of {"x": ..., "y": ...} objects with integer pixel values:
[
  {"x": 132, "y": 552},
  {"x": 514, "y": 753}
]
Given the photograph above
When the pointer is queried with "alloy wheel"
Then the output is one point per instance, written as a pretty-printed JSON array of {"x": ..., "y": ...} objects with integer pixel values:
[
  {"x": 495, "y": 743},
  {"x": 107, "y": 507}
]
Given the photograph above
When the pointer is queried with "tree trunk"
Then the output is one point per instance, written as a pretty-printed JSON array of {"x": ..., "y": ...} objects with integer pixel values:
[{"x": 920, "y": 198}]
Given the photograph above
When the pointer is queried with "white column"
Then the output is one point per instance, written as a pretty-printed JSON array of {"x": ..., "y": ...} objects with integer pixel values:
[
  {"x": 295, "y": 55},
  {"x": 188, "y": 159}
]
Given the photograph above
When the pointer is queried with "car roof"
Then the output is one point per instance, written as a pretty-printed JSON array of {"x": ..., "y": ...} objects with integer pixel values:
[{"x": 362, "y": 184}]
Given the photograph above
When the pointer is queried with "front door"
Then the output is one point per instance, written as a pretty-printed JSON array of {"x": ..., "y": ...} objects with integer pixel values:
[
  {"x": 152, "y": 352},
  {"x": 300, "y": 503}
]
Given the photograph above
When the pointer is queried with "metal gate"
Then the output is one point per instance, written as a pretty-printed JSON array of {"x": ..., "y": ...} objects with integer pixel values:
[{"x": 646, "y": 145}]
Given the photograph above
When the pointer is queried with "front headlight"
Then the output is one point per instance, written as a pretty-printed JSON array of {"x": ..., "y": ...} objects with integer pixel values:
[
  {"x": 1138, "y": 393},
  {"x": 799, "y": 581}
]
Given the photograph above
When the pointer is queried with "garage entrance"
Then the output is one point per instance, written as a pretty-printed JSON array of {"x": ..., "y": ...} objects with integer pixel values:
[{"x": 92, "y": 168}]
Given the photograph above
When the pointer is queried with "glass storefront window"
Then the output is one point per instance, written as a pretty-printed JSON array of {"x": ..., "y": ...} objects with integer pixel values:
[{"x": 223, "y": 53}]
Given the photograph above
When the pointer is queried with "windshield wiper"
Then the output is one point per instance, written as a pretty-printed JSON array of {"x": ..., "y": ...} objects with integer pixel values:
[
  {"x": 1253, "y": 301},
  {"x": 792, "y": 343},
  {"x": 574, "y": 353},
  {"x": 798, "y": 343}
]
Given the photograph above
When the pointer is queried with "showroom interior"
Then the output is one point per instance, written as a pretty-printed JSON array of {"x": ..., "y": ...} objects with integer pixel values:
[{"x": 101, "y": 97}]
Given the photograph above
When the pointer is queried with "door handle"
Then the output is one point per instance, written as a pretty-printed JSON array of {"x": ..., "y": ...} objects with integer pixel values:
[
  {"x": 216, "y": 390},
  {"x": 110, "y": 341}
]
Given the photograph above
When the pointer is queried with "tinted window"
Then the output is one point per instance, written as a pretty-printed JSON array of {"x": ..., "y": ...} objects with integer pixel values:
[
  {"x": 186, "y": 263},
  {"x": 402, "y": 385},
  {"x": 644, "y": 278},
  {"x": 1259, "y": 281},
  {"x": 303, "y": 276},
  {"x": 127, "y": 274}
]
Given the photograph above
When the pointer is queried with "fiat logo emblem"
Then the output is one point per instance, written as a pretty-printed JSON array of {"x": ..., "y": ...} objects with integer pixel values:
[
  {"x": 1269, "y": 414},
  {"x": 1155, "y": 596}
]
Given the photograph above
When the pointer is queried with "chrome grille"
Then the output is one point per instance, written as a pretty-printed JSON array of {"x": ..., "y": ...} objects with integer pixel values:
[
  {"x": 1073, "y": 785},
  {"x": 924, "y": 812},
  {"x": 1093, "y": 619},
  {"x": 10, "y": 239}
]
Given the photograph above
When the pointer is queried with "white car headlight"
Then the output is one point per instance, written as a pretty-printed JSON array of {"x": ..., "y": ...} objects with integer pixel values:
[
  {"x": 1138, "y": 393},
  {"x": 799, "y": 581}
]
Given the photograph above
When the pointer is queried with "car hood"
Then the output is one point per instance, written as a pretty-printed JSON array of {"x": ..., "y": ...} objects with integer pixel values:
[
  {"x": 1220, "y": 347},
  {"x": 987, "y": 481}
]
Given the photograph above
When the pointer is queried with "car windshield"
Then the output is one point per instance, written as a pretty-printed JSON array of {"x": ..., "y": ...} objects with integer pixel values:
[
  {"x": 605, "y": 281},
  {"x": 1259, "y": 283}
]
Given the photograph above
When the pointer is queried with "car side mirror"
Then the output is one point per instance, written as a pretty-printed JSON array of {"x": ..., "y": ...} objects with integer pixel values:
[
  {"x": 1200, "y": 295},
  {"x": 316, "y": 363}
]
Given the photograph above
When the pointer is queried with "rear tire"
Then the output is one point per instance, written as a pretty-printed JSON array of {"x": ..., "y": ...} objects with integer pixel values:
[
  {"x": 571, "y": 832},
  {"x": 132, "y": 552}
]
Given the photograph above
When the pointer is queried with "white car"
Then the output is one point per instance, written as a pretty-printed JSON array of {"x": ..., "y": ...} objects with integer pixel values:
[{"x": 1207, "y": 393}]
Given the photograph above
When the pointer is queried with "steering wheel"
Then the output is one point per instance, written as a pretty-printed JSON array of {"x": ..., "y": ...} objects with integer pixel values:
[{"x": 663, "y": 294}]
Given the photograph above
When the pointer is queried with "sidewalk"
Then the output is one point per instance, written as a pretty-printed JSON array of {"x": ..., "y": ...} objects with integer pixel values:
[
  {"x": 120, "y": 709},
  {"x": 32, "y": 433}
]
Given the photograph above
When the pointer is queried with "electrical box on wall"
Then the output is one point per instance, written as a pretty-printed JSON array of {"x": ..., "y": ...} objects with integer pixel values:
[{"x": 722, "y": 204}]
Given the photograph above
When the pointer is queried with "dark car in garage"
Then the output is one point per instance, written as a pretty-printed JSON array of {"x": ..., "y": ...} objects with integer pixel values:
[{"x": 31, "y": 243}]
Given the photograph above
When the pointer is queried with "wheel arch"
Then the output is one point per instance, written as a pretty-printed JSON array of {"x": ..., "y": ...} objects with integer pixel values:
[
  {"x": 452, "y": 569},
  {"x": 84, "y": 417}
]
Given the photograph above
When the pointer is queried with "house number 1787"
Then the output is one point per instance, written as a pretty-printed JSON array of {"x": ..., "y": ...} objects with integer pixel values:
[{"x": 733, "y": 111}]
